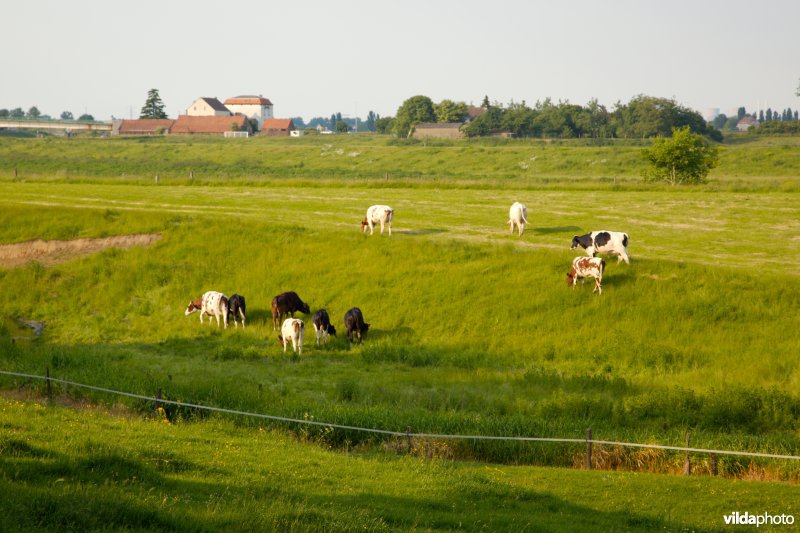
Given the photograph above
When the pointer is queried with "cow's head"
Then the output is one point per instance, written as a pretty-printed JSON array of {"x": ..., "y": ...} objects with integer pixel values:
[
  {"x": 305, "y": 309},
  {"x": 571, "y": 278},
  {"x": 193, "y": 306},
  {"x": 576, "y": 241},
  {"x": 364, "y": 225},
  {"x": 331, "y": 330}
]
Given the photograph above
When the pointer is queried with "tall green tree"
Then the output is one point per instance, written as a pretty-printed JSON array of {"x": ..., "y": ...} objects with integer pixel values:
[
  {"x": 67, "y": 115},
  {"x": 153, "y": 107},
  {"x": 685, "y": 158},
  {"x": 34, "y": 112},
  {"x": 415, "y": 110},
  {"x": 17, "y": 112},
  {"x": 450, "y": 111}
]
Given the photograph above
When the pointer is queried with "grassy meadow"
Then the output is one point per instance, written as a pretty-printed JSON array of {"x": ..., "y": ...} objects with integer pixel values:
[{"x": 474, "y": 330}]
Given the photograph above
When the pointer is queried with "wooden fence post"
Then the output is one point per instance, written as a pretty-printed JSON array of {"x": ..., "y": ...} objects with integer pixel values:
[
  {"x": 49, "y": 386},
  {"x": 687, "y": 465},
  {"x": 713, "y": 465},
  {"x": 158, "y": 397},
  {"x": 589, "y": 449},
  {"x": 408, "y": 439}
]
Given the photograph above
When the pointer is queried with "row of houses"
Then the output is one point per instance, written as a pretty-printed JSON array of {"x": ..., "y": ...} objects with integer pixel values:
[{"x": 238, "y": 116}]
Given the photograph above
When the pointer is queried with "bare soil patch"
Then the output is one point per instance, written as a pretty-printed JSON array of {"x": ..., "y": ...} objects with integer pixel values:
[{"x": 53, "y": 252}]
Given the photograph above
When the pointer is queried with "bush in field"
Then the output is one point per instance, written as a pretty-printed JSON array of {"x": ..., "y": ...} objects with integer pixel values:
[{"x": 685, "y": 158}]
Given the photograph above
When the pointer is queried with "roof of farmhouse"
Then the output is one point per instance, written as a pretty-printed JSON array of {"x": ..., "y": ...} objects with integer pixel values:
[
  {"x": 248, "y": 100},
  {"x": 217, "y": 124},
  {"x": 215, "y": 104}
]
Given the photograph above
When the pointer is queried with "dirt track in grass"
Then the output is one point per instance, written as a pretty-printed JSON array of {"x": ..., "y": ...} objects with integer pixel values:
[{"x": 53, "y": 252}]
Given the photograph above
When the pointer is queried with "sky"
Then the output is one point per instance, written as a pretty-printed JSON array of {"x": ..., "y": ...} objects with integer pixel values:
[{"x": 318, "y": 57}]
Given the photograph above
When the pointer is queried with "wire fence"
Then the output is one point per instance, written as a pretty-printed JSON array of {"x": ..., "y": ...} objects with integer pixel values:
[{"x": 589, "y": 441}]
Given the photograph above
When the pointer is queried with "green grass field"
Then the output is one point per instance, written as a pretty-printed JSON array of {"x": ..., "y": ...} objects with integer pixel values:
[{"x": 473, "y": 330}]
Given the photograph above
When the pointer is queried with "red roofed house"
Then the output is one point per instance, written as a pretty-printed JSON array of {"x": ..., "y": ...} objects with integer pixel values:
[
  {"x": 142, "y": 126},
  {"x": 207, "y": 107},
  {"x": 277, "y": 126},
  {"x": 216, "y": 125},
  {"x": 255, "y": 107}
]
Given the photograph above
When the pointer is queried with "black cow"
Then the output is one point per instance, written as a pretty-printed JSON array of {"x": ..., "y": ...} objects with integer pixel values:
[
  {"x": 287, "y": 303},
  {"x": 322, "y": 325},
  {"x": 354, "y": 322},
  {"x": 236, "y": 306}
]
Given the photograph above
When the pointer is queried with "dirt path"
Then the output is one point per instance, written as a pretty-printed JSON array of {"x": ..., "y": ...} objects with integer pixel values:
[{"x": 53, "y": 252}]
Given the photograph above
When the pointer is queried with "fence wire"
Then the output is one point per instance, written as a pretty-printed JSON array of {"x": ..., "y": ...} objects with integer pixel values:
[{"x": 397, "y": 433}]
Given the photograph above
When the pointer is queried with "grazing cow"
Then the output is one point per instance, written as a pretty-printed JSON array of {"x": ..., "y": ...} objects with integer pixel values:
[
  {"x": 603, "y": 242},
  {"x": 378, "y": 213},
  {"x": 212, "y": 303},
  {"x": 287, "y": 303},
  {"x": 323, "y": 326},
  {"x": 354, "y": 322},
  {"x": 587, "y": 267},
  {"x": 236, "y": 307},
  {"x": 517, "y": 216},
  {"x": 292, "y": 330}
]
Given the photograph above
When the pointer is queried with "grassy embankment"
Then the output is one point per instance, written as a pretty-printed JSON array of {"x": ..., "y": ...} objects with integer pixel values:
[{"x": 62, "y": 469}]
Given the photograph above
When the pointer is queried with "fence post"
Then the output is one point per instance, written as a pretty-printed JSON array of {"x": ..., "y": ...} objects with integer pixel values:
[
  {"x": 713, "y": 462},
  {"x": 589, "y": 449},
  {"x": 408, "y": 439},
  {"x": 158, "y": 397},
  {"x": 49, "y": 386},
  {"x": 687, "y": 465}
]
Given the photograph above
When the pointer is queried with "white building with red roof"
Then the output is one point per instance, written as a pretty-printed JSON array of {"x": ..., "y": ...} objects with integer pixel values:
[{"x": 255, "y": 107}]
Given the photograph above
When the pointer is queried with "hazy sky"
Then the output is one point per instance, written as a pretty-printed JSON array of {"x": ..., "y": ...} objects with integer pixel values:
[{"x": 318, "y": 57}]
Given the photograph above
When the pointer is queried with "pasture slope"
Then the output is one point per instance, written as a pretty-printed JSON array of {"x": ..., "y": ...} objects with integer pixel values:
[{"x": 473, "y": 332}]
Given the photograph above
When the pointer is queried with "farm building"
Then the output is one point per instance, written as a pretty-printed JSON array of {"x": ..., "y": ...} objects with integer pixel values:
[
  {"x": 216, "y": 125},
  {"x": 146, "y": 126},
  {"x": 277, "y": 127},
  {"x": 207, "y": 107},
  {"x": 254, "y": 107},
  {"x": 440, "y": 130},
  {"x": 746, "y": 123}
]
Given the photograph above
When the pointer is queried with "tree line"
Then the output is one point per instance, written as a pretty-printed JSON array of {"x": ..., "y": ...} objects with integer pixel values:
[
  {"x": 34, "y": 113},
  {"x": 642, "y": 117}
]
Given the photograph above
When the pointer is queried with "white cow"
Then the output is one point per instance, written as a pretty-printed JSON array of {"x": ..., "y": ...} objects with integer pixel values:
[
  {"x": 212, "y": 303},
  {"x": 517, "y": 216},
  {"x": 587, "y": 267},
  {"x": 293, "y": 330},
  {"x": 378, "y": 213}
]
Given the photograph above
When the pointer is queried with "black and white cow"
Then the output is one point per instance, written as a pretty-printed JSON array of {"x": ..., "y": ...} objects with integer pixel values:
[
  {"x": 587, "y": 267},
  {"x": 287, "y": 303},
  {"x": 603, "y": 242},
  {"x": 354, "y": 322},
  {"x": 212, "y": 303},
  {"x": 237, "y": 308},
  {"x": 323, "y": 326}
]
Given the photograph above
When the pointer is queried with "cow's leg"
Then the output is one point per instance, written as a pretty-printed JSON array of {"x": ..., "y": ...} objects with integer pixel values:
[
  {"x": 521, "y": 227},
  {"x": 371, "y": 227},
  {"x": 390, "y": 227}
]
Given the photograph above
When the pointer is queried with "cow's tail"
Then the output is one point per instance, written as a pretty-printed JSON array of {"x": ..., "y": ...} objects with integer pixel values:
[
  {"x": 625, "y": 240},
  {"x": 602, "y": 266}
]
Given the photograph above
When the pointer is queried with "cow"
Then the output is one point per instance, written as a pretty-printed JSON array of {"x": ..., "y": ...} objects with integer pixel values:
[
  {"x": 378, "y": 213},
  {"x": 212, "y": 303},
  {"x": 236, "y": 307},
  {"x": 517, "y": 216},
  {"x": 603, "y": 242},
  {"x": 354, "y": 322},
  {"x": 323, "y": 326},
  {"x": 292, "y": 330},
  {"x": 587, "y": 267},
  {"x": 287, "y": 303}
]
